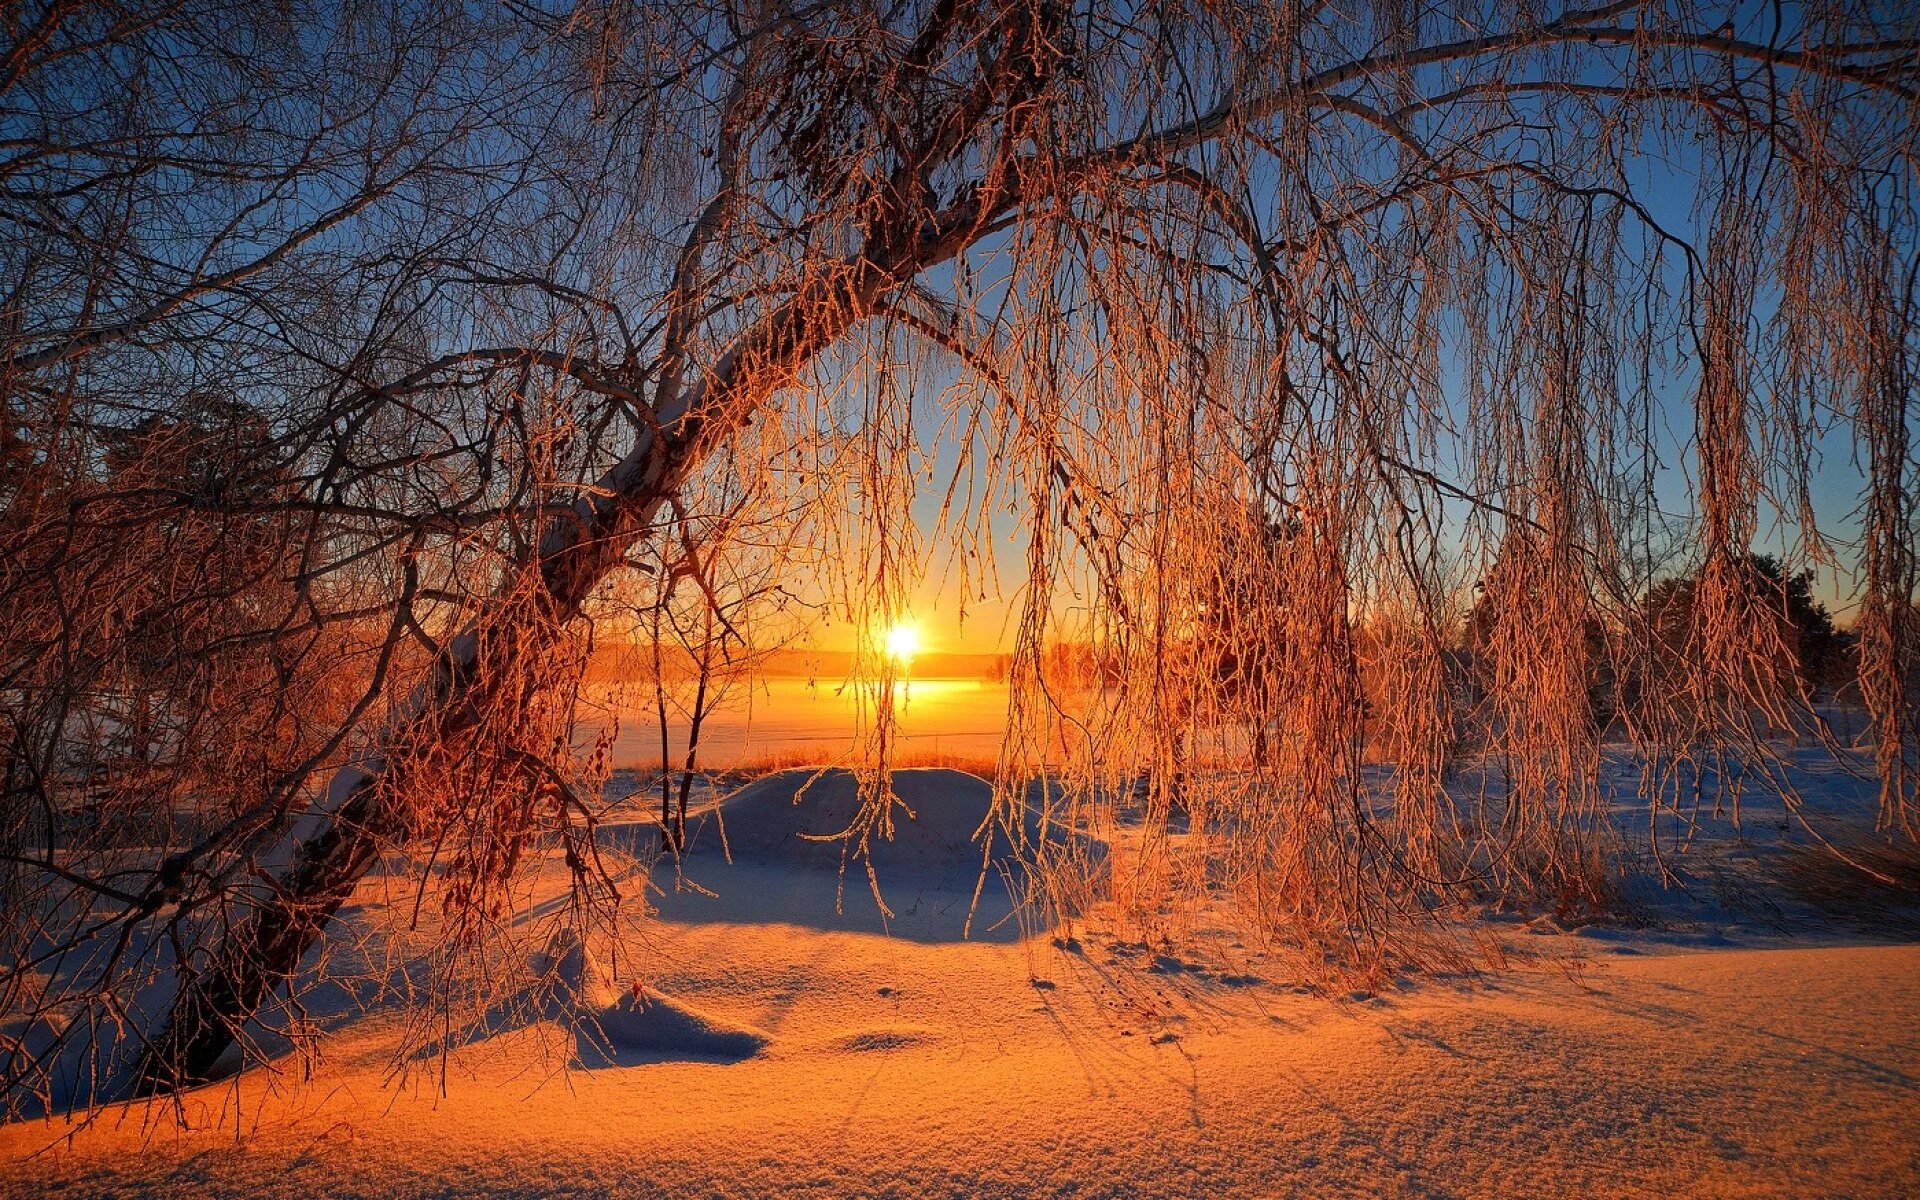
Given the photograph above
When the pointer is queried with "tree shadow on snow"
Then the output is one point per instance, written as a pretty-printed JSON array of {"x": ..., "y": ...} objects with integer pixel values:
[{"x": 775, "y": 853}]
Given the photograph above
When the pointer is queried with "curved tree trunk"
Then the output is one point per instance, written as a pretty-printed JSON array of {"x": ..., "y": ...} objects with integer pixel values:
[
  {"x": 252, "y": 961},
  {"x": 321, "y": 861}
]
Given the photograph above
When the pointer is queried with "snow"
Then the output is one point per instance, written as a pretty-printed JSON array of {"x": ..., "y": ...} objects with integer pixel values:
[
  {"x": 772, "y": 851},
  {"x": 613, "y": 1026},
  {"x": 772, "y": 1040},
  {"x": 939, "y": 816}
]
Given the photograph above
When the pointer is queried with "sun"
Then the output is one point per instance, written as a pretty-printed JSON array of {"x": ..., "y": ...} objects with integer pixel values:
[{"x": 903, "y": 642}]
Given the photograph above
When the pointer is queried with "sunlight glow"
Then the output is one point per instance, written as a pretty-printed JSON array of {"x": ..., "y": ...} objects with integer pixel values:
[{"x": 903, "y": 642}]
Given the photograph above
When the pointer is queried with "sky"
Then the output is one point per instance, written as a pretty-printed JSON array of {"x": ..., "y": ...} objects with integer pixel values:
[{"x": 1665, "y": 177}]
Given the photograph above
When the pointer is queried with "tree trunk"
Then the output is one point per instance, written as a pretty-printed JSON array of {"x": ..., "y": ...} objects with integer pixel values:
[
  {"x": 319, "y": 866},
  {"x": 252, "y": 961}
]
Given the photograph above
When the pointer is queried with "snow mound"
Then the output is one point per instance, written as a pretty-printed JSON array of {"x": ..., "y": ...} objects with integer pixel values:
[
  {"x": 574, "y": 973},
  {"x": 940, "y": 817},
  {"x": 883, "y": 1038},
  {"x": 616, "y": 1026},
  {"x": 645, "y": 1026}
]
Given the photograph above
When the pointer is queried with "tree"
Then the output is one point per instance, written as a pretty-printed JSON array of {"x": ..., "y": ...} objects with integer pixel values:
[
  {"x": 712, "y": 610},
  {"x": 507, "y": 282},
  {"x": 1669, "y": 610},
  {"x": 1242, "y": 653}
]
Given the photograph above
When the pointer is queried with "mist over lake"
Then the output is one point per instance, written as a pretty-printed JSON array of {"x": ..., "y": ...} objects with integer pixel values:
[{"x": 779, "y": 715}]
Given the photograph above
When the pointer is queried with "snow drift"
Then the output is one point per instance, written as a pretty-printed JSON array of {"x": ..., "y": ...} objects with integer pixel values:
[
  {"x": 784, "y": 849},
  {"x": 611, "y": 1025},
  {"x": 943, "y": 824}
]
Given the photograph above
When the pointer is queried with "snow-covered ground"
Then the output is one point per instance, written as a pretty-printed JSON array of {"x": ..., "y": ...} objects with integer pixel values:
[{"x": 1752, "y": 1031}]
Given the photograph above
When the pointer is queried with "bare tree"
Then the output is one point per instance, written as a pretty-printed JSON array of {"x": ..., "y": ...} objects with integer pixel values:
[{"x": 711, "y": 608}]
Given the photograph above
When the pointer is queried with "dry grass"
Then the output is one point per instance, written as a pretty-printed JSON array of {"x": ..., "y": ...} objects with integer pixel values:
[{"x": 1877, "y": 887}]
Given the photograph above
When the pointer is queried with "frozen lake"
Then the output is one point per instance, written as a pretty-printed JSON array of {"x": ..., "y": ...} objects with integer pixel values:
[{"x": 789, "y": 715}]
